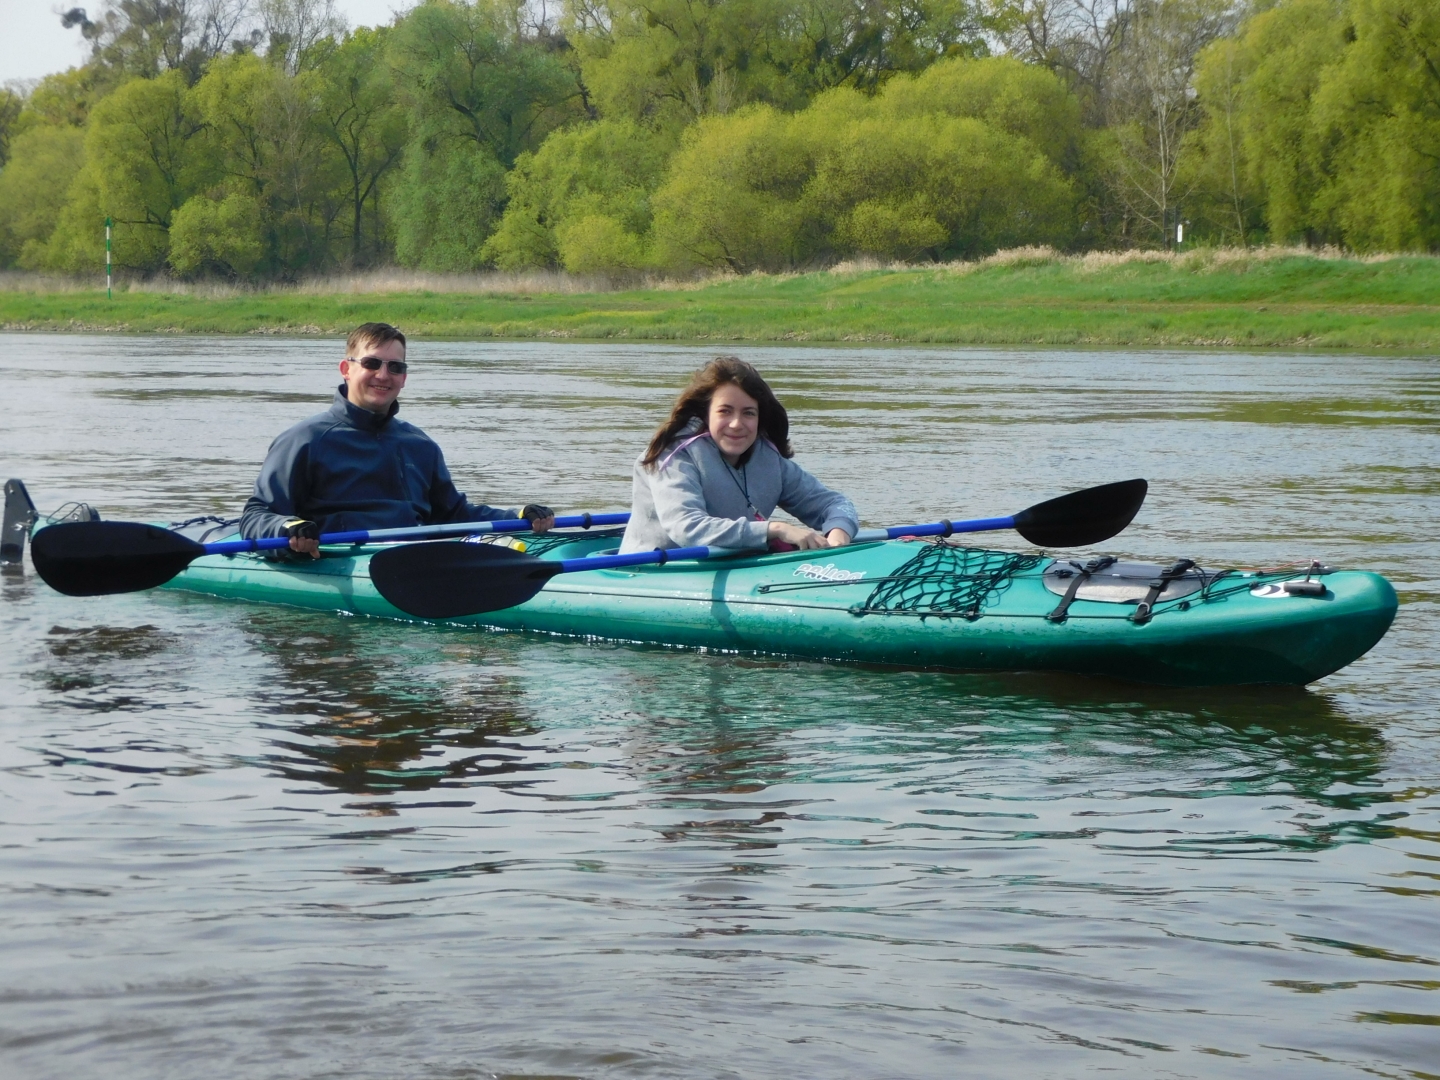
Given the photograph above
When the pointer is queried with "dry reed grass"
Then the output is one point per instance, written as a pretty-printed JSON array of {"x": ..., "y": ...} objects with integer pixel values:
[
  {"x": 25, "y": 281},
  {"x": 1208, "y": 258},
  {"x": 397, "y": 280},
  {"x": 868, "y": 264},
  {"x": 1194, "y": 259}
]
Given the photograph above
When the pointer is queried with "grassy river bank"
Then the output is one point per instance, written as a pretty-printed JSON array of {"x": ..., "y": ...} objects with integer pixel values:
[{"x": 1266, "y": 298}]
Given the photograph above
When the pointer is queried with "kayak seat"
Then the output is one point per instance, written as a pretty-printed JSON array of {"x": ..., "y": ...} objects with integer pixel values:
[{"x": 1122, "y": 582}]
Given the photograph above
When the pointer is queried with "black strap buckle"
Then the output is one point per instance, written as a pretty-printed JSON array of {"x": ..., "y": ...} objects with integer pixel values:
[
  {"x": 1145, "y": 610},
  {"x": 1094, "y": 566}
]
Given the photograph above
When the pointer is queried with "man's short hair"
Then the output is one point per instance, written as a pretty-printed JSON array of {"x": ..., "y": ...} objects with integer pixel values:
[{"x": 372, "y": 333}]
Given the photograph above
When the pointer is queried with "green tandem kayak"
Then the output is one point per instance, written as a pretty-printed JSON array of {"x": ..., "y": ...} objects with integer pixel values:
[{"x": 911, "y": 603}]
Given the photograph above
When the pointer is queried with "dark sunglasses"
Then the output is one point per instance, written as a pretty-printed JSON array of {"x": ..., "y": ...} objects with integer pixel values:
[{"x": 372, "y": 363}]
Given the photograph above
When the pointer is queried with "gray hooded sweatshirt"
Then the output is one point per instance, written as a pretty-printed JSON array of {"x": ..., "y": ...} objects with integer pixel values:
[{"x": 693, "y": 497}]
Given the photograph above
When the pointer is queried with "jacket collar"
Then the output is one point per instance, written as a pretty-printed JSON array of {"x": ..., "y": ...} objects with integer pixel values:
[
  {"x": 693, "y": 431},
  {"x": 356, "y": 417}
]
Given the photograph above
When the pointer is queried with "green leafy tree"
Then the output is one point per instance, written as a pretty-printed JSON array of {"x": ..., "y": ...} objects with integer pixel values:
[
  {"x": 142, "y": 38},
  {"x": 470, "y": 72},
  {"x": 670, "y": 62},
  {"x": 445, "y": 203},
  {"x": 673, "y": 61},
  {"x": 359, "y": 115},
  {"x": 479, "y": 90},
  {"x": 263, "y": 134},
  {"x": 862, "y": 43},
  {"x": 1336, "y": 104},
  {"x": 940, "y": 187},
  {"x": 1283, "y": 55},
  {"x": 598, "y": 242},
  {"x": 44, "y": 161},
  {"x": 1021, "y": 99},
  {"x": 899, "y": 175},
  {"x": 893, "y": 226},
  {"x": 65, "y": 97},
  {"x": 218, "y": 236},
  {"x": 11, "y": 106},
  {"x": 1378, "y": 110},
  {"x": 141, "y": 164},
  {"x": 582, "y": 200},
  {"x": 1226, "y": 201},
  {"x": 733, "y": 197}
]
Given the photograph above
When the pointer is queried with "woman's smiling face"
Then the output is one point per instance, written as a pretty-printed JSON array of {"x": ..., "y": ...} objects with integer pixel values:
[{"x": 734, "y": 421}]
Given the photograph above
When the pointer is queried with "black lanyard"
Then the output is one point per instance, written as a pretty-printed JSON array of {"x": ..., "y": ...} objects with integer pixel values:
[{"x": 743, "y": 483}]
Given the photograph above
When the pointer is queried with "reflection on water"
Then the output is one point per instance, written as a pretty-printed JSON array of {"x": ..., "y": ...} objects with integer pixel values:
[
  {"x": 363, "y": 712},
  {"x": 267, "y": 842},
  {"x": 375, "y": 710},
  {"x": 87, "y": 662}
]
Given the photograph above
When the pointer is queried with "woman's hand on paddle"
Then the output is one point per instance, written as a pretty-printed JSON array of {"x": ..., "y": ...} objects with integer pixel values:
[
  {"x": 837, "y": 538},
  {"x": 798, "y": 535}
]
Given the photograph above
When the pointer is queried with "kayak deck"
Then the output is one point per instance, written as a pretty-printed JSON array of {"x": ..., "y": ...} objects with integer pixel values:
[{"x": 910, "y": 603}]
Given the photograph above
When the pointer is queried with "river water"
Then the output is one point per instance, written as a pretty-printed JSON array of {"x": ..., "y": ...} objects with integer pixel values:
[{"x": 241, "y": 841}]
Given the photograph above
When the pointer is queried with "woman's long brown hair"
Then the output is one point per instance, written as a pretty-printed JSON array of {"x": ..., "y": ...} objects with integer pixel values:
[{"x": 694, "y": 401}]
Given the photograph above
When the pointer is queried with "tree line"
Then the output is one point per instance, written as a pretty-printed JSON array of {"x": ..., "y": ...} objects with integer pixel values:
[{"x": 261, "y": 139}]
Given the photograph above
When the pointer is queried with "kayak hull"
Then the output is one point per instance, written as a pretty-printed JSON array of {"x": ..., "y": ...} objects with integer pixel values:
[{"x": 1241, "y": 629}]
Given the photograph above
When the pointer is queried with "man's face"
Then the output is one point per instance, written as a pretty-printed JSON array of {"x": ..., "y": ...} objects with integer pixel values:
[{"x": 373, "y": 390}]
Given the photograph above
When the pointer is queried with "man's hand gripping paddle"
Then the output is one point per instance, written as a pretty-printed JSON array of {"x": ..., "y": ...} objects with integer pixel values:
[{"x": 451, "y": 580}]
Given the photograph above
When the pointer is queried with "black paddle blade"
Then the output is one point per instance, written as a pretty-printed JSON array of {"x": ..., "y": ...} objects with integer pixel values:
[
  {"x": 1082, "y": 517},
  {"x": 94, "y": 558},
  {"x": 448, "y": 579}
]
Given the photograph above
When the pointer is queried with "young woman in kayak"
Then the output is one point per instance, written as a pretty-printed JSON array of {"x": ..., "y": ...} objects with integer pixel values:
[{"x": 717, "y": 469}]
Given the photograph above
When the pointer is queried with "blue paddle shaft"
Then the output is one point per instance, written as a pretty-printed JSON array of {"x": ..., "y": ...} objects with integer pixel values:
[
  {"x": 662, "y": 556},
  {"x": 935, "y": 528},
  {"x": 455, "y": 528},
  {"x": 659, "y": 556},
  {"x": 585, "y": 521}
]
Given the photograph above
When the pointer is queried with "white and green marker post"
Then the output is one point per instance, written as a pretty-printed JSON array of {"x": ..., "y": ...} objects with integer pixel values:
[{"x": 107, "y": 260}]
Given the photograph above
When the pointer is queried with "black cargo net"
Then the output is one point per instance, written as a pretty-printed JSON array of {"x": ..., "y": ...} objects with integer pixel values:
[{"x": 946, "y": 580}]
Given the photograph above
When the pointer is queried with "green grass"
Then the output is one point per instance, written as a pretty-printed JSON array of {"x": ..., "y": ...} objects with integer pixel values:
[{"x": 1269, "y": 299}]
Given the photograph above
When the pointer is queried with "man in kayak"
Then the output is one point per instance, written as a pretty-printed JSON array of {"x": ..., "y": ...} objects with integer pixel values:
[{"x": 355, "y": 466}]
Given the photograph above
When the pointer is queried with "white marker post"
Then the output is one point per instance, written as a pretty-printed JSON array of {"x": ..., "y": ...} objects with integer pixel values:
[
  {"x": 107, "y": 259},
  {"x": 1179, "y": 233}
]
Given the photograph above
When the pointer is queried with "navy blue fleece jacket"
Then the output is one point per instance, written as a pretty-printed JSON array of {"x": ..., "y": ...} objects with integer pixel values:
[{"x": 348, "y": 468}]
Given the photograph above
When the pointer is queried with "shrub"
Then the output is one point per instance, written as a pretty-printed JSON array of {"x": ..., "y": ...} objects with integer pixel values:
[
  {"x": 851, "y": 175},
  {"x": 733, "y": 194},
  {"x": 1010, "y": 96},
  {"x": 604, "y": 172},
  {"x": 940, "y": 186},
  {"x": 223, "y": 236}
]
